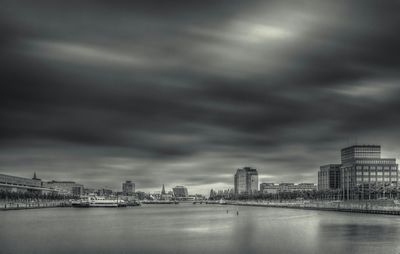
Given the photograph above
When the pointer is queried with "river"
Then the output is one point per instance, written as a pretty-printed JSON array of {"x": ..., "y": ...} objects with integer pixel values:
[{"x": 187, "y": 228}]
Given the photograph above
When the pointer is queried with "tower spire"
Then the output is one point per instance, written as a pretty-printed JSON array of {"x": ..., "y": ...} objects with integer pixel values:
[
  {"x": 163, "y": 190},
  {"x": 34, "y": 175}
]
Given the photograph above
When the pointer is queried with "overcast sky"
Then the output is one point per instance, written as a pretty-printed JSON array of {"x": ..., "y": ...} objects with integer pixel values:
[{"x": 185, "y": 92}]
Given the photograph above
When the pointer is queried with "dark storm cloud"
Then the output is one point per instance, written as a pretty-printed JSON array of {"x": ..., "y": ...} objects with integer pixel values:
[{"x": 186, "y": 92}]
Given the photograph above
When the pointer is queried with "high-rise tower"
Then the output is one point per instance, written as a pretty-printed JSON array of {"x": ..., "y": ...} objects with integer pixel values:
[{"x": 246, "y": 181}]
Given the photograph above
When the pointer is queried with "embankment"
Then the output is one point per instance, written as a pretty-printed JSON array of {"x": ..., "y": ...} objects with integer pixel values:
[{"x": 373, "y": 207}]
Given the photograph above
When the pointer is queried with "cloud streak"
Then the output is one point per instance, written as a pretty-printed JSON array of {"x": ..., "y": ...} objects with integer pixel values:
[{"x": 186, "y": 92}]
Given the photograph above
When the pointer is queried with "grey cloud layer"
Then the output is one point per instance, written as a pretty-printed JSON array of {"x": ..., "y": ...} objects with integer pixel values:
[{"x": 185, "y": 92}]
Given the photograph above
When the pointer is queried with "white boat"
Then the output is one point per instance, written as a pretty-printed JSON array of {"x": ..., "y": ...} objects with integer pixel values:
[{"x": 98, "y": 201}]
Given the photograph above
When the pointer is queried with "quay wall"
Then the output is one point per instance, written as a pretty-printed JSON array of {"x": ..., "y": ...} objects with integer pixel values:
[
  {"x": 372, "y": 207},
  {"x": 6, "y": 206}
]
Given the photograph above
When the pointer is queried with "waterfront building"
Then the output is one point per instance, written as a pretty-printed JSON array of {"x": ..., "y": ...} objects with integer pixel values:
[
  {"x": 64, "y": 187},
  {"x": 128, "y": 188},
  {"x": 286, "y": 187},
  {"x": 329, "y": 177},
  {"x": 88, "y": 191},
  {"x": 22, "y": 184},
  {"x": 141, "y": 195},
  {"x": 77, "y": 190},
  {"x": 155, "y": 196},
  {"x": 104, "y": 192},
  {"x": 246, "y": 181},
  {"x": 180, "y": 192},
  {"x": 269, "y": 188},
  {"x": 19, "y": 181},
  {"x": 305, "y": 187},
  {"x": 35, "y": 177},
  {"x": 364, "y": 172},
  {"x": 164, "y": 195}
]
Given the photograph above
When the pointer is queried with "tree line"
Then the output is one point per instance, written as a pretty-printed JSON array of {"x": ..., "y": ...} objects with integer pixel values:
[
  {"x": 18, "y": 196},
  {"x": 338, "y": 194}
]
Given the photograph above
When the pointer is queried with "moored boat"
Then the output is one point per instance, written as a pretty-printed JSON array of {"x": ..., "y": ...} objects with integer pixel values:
[
  {"x": 98, "y": 201},
  {"x": 216, "y": 202},
  {"x": 159, "y": 202}
]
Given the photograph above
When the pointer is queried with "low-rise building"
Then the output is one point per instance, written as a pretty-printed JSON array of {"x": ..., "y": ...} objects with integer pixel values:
[
  {"x": 104, "y": 192},
  {"x": 269, "y": 188},
  {"x": 65, "y": 187},
  {"x": 22, "y": 184}
]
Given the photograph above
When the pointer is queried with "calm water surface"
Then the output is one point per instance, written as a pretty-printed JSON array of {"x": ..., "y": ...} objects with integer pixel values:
[{"x": 187, "y": 228}]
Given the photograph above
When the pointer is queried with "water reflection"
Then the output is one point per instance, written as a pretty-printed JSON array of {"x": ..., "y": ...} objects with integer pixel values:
[
  {"x": 359, "y": 233},
  {"x": 196, "y": 229}
]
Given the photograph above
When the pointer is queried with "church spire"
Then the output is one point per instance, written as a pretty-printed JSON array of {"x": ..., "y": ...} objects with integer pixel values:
[
  {"x": 163, "y": 190},
  {"x": 34, "y": 175}
]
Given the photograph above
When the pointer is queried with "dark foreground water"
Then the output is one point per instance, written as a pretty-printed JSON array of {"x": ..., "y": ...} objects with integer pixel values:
[{"x": 187, "y": 228}]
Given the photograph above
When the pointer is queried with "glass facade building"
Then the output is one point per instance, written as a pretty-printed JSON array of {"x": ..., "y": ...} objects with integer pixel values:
[
  {"x": 363, "y": 174},
  {"x": 329, "y": 177},
  {"x": 180, "y": 192}
]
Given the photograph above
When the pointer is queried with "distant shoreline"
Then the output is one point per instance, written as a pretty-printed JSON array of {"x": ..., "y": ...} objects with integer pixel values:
[{"x": 385, "y": 207}]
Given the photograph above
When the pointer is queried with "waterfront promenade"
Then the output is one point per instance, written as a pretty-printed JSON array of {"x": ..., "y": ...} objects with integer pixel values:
[
  {"x": 388, "y": 207},
  {"x": 6, "y": 206},
  {"x": 371, "y": 206}
]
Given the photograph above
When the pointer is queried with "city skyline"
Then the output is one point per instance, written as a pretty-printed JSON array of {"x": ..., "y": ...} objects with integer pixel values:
[{"x": 187, "y": 92}]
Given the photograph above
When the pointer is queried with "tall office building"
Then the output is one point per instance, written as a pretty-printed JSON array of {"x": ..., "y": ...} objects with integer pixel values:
[
  {"x": 329, "y": 177},
  {"x": 128, "y": 188},
  {"x": 180, "y": 192},
  {"x": 246, "y": 181},
  {"x": 364, "y": 172}
]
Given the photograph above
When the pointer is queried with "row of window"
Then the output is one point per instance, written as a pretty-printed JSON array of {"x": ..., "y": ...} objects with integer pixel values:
[
  {"x": 374, "y": 161},
  {"x": 379, "y": 173},
  {"x": 377, "y": 167},
  {"x": 373, "y": 179},
  {"x": 6, "y": 179}
]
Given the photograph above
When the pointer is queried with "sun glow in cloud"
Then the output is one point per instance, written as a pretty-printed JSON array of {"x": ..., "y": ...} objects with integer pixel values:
[
  {"x": 260, "y": 32},
  {"x": 257, "y": 32}
]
